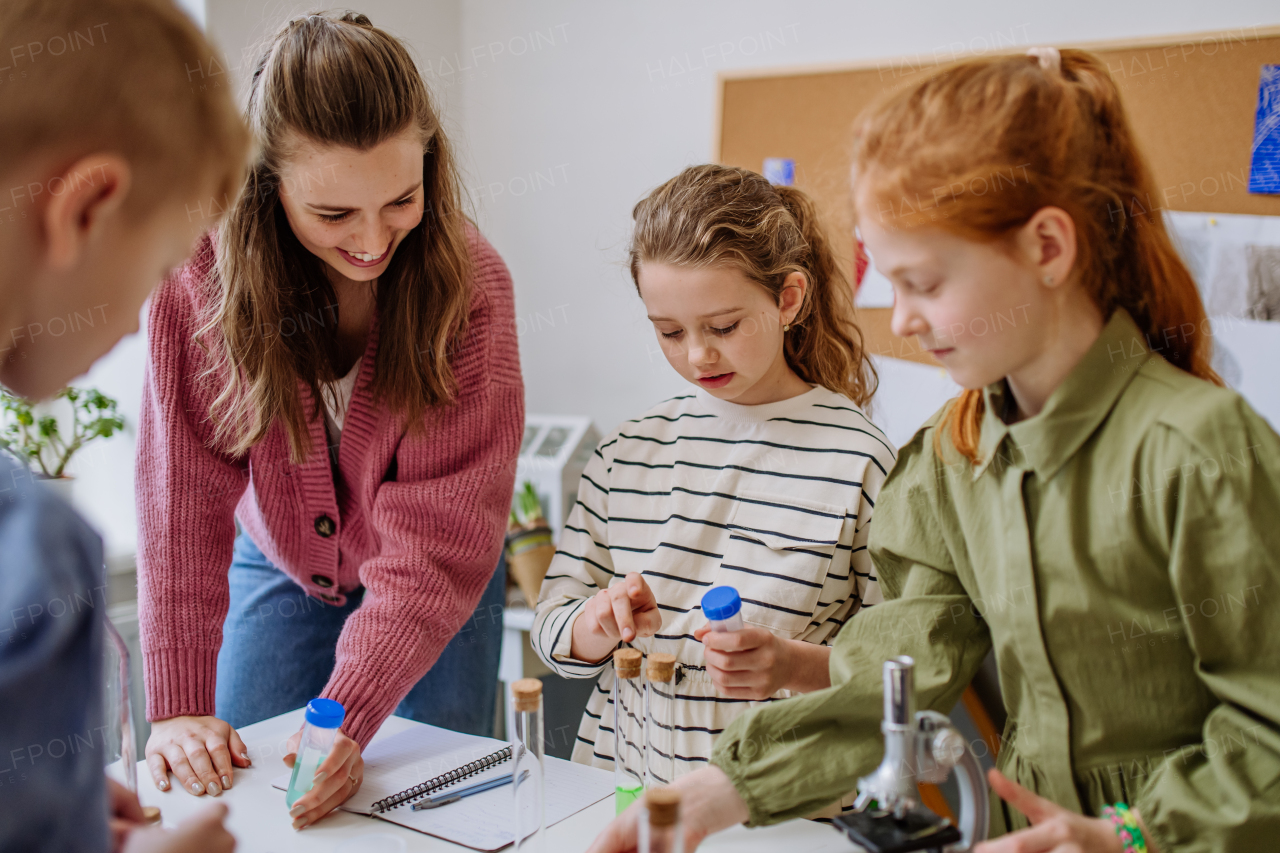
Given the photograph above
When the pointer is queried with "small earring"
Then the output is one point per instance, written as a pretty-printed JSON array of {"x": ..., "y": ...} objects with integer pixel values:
[
  {"x": 786, "y": 327},
  {"x": 1048, "y": 280}
]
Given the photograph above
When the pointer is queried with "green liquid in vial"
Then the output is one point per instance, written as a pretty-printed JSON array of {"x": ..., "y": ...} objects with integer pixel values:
[
  {"x": 625, "y": 795},
  {"x": 304, "y": 771}
]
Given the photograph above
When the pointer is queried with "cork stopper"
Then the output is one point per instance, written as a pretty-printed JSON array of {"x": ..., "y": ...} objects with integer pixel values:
[
  {"x": 663, "y": 805},
  {"x": 527, "y": 694},
  {"x": 662, "y": 667},
  {"x": 627, "y": 662},
  {"x": 150, "y": 814}
]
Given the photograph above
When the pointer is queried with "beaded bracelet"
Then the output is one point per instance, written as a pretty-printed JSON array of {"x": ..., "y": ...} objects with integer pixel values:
[{"x": 1126, "y": 826}]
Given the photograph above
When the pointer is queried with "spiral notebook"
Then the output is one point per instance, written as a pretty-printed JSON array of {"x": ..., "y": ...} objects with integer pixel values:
[{"x": 425, "y": 760}]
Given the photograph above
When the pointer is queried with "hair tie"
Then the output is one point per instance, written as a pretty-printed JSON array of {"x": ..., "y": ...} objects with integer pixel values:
[{"x": 1049, "y": 57}]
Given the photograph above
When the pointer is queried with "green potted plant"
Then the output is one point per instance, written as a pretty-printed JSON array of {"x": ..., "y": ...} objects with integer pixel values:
[{"x": 37, "y": 438}]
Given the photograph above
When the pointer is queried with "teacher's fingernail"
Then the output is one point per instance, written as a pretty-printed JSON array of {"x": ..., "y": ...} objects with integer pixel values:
[
  {"x": 246, "y": 757},
  {"x": 197, "y": 788},
  {"x": 214, "y": 790},
  {"x": 300, "y": 823},
  {"x": 163, "y": 784},
  {"x": 320, "y": 777},
  {"x": 226, "y": 782},
  {"x": 297, "y": 810}
]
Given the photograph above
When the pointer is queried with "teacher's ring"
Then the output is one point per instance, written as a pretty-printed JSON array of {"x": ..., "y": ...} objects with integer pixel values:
[{"x": 353, "y": 780}]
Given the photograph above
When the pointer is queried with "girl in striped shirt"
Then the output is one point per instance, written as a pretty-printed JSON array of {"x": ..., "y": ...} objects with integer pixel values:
[{"x": 763, "y": 478}]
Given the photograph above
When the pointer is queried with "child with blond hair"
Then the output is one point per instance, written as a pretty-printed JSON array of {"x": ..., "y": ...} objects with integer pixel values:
[{"x": 106, "y": 149}]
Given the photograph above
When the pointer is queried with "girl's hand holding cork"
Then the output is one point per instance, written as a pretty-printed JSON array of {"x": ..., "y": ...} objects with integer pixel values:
[{"x": 620, "y": 613}]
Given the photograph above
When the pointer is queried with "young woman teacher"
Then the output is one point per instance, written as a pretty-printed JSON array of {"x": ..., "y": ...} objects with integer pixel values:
[{"x": 346, "y": 303}]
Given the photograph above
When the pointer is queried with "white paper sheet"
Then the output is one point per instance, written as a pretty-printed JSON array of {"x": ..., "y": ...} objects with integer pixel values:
[{"x": 1234, "y": 259}]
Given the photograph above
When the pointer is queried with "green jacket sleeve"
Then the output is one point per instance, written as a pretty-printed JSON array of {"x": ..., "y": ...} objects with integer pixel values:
[
  {"x": 791, "y": 758},
  {"x": 1222, "y": 518}
]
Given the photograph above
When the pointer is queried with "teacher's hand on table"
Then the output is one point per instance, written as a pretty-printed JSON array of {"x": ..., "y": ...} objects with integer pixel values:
[
  {"x": 200, "y": 833},
  {"x": 201, "y": 752},
  {"x": 337, "y": 778},
  {"x": 708, "y": 803}
]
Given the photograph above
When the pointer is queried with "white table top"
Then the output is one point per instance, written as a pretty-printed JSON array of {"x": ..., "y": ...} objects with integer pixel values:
[{"x": 260, "y": 821}]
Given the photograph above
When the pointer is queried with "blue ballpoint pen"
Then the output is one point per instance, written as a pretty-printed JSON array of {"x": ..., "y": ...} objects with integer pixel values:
[{"x": 453, "y": 797}]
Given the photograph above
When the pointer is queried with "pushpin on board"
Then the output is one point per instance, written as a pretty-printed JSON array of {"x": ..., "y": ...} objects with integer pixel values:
[{"x": 780, "y": 171}]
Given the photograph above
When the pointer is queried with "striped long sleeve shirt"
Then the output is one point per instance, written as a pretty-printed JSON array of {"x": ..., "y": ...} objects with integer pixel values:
[{"x": 774, "y": 500}]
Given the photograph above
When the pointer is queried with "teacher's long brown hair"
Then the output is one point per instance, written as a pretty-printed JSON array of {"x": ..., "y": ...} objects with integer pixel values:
[{"x": 333, "y": 80}]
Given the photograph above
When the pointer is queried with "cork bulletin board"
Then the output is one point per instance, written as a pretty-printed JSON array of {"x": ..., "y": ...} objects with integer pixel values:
[{"x": 1191, "y": 99}]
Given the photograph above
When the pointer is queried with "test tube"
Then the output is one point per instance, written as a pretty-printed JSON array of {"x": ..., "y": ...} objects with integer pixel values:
[
  {"x": 628, "y": 728},
  {"x": 723, "y": 608},
  {"x": 530, "y": 789},
  {"x": 323, "y": 717},
  {"x": 118, "y": 734},
  {"x": 659, "y": 721},
  {"x": 660, "y": 830}
]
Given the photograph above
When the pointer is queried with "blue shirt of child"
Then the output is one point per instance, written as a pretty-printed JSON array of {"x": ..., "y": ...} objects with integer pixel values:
[{"x": 52, "y": 598}]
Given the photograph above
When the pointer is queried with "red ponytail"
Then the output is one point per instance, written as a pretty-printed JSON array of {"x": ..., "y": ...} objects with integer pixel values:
[{"x": 1044, "y": 136}]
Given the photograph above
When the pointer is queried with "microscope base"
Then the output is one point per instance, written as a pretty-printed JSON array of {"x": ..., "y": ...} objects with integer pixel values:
[{"x": 920, "y": 829}]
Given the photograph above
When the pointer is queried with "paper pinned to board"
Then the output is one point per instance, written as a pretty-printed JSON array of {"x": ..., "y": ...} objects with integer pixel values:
[
  {"x": 1235, "y": 260},
  {"x": 871, "y": 289},
  {"x": 1264, "y": 162}
]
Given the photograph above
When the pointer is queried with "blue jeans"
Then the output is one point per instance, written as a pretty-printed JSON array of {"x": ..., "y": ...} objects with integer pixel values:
[{"x": 278, "y": 650}]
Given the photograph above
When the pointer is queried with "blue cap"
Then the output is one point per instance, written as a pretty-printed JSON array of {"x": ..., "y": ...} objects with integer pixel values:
[
  {"x": 325, "y": 713},
  {"x": 721, "y": 602}
]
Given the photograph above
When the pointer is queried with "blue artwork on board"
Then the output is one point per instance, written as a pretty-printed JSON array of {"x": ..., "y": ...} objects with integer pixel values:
[
  {"x": 1264, "y": 166},
  {"x": 780, "y": 171}
]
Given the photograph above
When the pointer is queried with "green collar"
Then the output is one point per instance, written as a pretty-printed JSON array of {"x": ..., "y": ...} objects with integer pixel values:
[{"x": 1074, "y": 410}]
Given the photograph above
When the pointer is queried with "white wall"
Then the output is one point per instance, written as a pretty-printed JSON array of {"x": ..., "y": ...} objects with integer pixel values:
[
  {"x": 625, "y": 98},
  {"x": 566, "y": 112},
  {"x": 429, "y": 27}
]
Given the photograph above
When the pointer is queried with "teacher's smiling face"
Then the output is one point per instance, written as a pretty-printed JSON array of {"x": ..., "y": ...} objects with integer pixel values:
[{"x": 351, "y": 208}]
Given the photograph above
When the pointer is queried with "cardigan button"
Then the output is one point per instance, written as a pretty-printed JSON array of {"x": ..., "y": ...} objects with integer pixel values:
[
  {"x": 321, "y": 580},
  {"x": 325, "y": 526},
  {"x": 332, "y": 599}
]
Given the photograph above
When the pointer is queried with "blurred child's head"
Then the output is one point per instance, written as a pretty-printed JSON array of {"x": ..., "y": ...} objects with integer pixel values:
[
  {"x": 117, "y": 150},
  {"x": 743, "y": 289},
  {"x": 1005, "y": 198},
  {"x": 354, "y": 182}
]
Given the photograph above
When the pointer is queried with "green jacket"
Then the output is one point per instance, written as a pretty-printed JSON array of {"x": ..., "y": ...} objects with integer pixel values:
[{"x": 1119, "y": 550}]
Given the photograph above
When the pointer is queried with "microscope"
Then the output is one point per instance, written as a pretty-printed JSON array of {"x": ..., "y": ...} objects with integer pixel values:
[{"x": 918, "y": 747}]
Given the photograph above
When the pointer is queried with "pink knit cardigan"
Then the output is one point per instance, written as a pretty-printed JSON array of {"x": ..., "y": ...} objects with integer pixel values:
[{"x": 416, "y": 520}]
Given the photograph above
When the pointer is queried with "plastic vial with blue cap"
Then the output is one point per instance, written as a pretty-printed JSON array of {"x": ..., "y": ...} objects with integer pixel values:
[
  {"x": 723, "y": 608},
  {"x": 324, "y": 717}
]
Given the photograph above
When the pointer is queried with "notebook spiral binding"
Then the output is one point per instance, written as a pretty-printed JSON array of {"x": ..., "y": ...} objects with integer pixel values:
[{"x": 443, "y": 781}]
